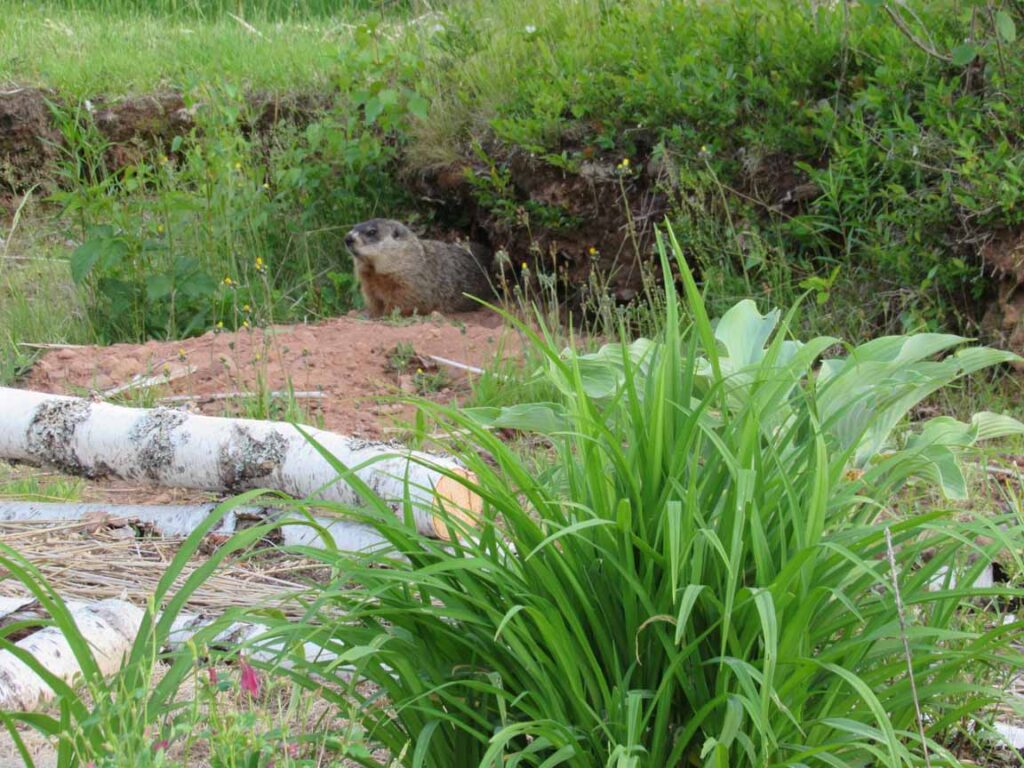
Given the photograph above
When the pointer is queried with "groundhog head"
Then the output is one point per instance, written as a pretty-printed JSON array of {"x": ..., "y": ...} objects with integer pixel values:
[{"x": 383, "y": 244}]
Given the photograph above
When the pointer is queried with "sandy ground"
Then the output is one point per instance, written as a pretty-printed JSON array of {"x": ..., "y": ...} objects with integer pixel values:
[{"x": 349, "y": 360}]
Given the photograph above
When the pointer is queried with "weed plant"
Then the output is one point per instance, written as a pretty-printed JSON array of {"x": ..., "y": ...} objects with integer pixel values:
[
  {"x": 230, "y": 230},
  {"x": 700, "y": 573}
]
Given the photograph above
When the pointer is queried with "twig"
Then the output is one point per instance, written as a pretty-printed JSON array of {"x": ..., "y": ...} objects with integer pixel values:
[
  {"x": 139, "y": 382},
  {"x": 231, "y": 395},
  {"x": 40, "y": 345},
  {"x": 906, "y": 644},
  {"x": 901, "y": 23},
  {"x": 246, "y": 25},
  {"x": 454, "y": 364}
]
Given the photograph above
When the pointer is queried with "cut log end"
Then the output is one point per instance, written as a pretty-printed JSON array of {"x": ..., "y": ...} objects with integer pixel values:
[{"x": 457, "y": 501}]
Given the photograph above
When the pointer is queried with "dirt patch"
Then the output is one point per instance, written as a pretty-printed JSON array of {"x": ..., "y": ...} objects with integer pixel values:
[
  {"x": 133, "y": 125},
  {"x": 347, "y": 370}
]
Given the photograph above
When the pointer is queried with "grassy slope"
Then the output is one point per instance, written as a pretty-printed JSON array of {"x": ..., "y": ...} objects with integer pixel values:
[{"x": 88, "y": 52}]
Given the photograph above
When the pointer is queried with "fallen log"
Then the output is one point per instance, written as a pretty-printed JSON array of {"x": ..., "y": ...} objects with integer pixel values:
[
  {"x": 178, "y": 449},
  {"x": 109, "y": 627},
  {"x": 180, "y": 520}
]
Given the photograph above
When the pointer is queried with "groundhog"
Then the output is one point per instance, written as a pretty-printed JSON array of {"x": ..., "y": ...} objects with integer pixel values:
[{"x": 398, "y": 271}]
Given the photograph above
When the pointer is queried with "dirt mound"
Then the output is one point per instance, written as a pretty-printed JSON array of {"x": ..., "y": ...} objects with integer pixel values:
[{"x": 344, "y": 369}]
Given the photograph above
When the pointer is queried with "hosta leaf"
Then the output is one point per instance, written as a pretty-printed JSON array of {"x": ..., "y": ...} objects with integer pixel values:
[
  {"x": 744, "y": 332},
  {"x": 546, "y": 418}
]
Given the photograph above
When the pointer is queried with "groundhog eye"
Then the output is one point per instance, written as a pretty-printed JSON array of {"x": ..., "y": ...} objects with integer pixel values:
[
  {"x": 371, "y": 232},
  {"x": 398, "y": 233}
]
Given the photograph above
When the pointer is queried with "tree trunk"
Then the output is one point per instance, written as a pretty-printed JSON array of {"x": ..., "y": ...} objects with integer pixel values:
[{"x": 179, "y": 449}]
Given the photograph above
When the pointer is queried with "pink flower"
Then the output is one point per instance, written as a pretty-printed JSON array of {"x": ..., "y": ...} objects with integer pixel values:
[
  {"x": 250, "y": 680},
  {"x": 161, "y": 745},
  {"x": 292, "y": 749},
  {"x": 212, "y": 674}
]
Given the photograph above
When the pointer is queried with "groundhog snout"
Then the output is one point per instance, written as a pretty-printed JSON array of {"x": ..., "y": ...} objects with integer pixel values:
[{"x": 350, "y": 239}]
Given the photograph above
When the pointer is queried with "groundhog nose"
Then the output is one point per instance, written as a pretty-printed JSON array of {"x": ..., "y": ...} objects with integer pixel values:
[{"x": 350, "y": 239}]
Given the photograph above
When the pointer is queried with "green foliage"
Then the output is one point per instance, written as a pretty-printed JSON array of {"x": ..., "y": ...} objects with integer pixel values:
[
  {"x": 232, "y": 227},
  {"x": 205, "y": 9},
  {"x": 698, "y": 576},
  {"x": 118, "y": 720},
  {"x": 917, "y": 155}
]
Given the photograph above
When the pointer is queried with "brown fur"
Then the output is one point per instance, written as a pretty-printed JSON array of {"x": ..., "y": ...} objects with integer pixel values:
[{"x": 398, "y": 271}]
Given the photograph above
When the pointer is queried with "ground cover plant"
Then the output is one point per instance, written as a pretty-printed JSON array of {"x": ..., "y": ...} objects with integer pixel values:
[
  {"x": 793, "y": 145},
  {"x": 685, "y": 556},
  {"x": 701, "y": 573}
]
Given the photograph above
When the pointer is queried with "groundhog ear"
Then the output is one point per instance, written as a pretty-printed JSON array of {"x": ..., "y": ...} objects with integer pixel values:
[{"x": 398, "y": 233}]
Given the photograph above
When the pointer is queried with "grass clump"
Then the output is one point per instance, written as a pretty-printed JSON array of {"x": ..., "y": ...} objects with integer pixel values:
[{"x": 699, "y": 574}]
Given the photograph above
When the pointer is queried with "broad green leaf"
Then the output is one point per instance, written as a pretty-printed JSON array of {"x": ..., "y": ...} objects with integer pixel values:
[
  {"x": 84, "y": 258},
  {"x": 158, "y": 287},
  {"x": 744, "y": 331},
  {"x": 1006, "y": 27},
  {"x": 964, "y": 54}
]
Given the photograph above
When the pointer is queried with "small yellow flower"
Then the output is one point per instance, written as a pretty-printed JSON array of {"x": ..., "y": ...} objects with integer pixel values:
[
  {"x": 592, "y": 251},
  {"x": 259, "y": 264},
  {"x": 220, "y": 324},
  {"x": 228, "y": 281},
  {"x": 419, "y": 370},
  {"x": 167, "y": 370},
  {"x": 182, "y": 354},
  {"x": 265, "y": 185},
  {"x": 245, "y": 323},
  {"x": 163, "y": 159},
  {"x": 238, "y": 166},
  {"x": 523, "y": 265},
  {"x": 256, "y": 357},
  {"x": 160, "y": 229},
  {"x": 246, "y": 308}
]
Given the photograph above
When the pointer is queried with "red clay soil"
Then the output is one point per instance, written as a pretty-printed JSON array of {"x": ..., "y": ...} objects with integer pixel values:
[{"x": 349, "y": 359}]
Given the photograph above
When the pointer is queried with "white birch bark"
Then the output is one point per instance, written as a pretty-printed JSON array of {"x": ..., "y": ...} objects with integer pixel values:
[
  {"x": 179, "y": 520},
  {"x": 110, "y": 627},
  {"x": 184, "y": 450}
]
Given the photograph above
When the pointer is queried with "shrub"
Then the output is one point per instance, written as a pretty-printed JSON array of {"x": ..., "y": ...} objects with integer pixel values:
[{"x": 698, "y": 573}]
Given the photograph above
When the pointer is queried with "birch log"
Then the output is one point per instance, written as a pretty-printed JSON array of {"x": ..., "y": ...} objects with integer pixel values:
[
  {"x": 110, "y": 627},
  {"x": 179, "y": 520},
  {"x": 184, "y": 450}
]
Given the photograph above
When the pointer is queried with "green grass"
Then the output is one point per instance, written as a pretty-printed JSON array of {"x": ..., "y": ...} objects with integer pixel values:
[
  {"x": 38, "y": 301},
  {"x": 700, "y": 575},
  {"x": 17, "y": 484},
  {"x": 88, "y": 50},
  {"x": 911, "y": 162}
]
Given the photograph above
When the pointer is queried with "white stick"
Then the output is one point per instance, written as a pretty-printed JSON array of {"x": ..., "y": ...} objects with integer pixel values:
[
  {"x": 184, "y": 450},
  {"x": 142, "y": 382},
  {"x": 310, "y": 395}
]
